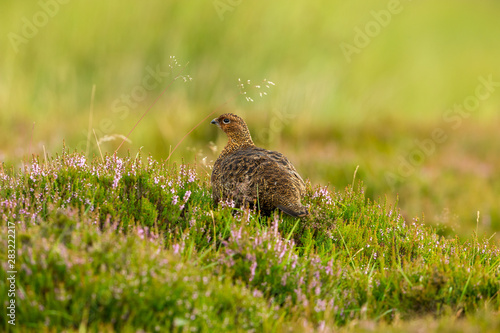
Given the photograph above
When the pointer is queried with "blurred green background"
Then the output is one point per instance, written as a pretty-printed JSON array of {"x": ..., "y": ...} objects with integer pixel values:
[{"x": 389, "y": 106}]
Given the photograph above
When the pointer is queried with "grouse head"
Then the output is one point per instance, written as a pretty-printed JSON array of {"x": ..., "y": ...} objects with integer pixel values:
[{"x": 235, "y": 128}]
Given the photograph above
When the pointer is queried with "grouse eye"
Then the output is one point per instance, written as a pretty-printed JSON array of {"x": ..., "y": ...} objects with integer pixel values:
[{"x": 226, "y": 121}]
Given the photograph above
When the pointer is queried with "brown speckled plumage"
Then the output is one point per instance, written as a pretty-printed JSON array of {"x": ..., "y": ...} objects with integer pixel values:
[{"x": 251, "y": 175}]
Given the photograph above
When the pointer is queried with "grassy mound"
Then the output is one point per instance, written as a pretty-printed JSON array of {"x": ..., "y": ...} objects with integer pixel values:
[{"x": 131, "y": 243}]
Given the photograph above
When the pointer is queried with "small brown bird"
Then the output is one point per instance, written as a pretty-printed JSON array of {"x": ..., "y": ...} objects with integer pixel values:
[{"x": 254, "y": 176}]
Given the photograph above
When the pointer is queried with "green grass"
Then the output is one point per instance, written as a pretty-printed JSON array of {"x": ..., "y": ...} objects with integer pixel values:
[
  {"x": 132, "y": 243},
  {"x": 366, "y": 112}
]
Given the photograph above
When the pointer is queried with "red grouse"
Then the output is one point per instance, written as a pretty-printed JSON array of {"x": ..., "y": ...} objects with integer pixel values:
[{"x": 254, "y": 176}]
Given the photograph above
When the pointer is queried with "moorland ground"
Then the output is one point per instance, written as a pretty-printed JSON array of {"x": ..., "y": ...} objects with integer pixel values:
[{"x": 410, "y": 106}]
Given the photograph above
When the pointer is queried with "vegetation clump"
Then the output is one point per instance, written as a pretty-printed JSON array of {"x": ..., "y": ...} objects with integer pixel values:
[{"x": 132, "y": 243}]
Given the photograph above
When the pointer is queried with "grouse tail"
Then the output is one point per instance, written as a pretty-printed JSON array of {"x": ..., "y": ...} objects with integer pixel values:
[{"x": 294, "y": 210}]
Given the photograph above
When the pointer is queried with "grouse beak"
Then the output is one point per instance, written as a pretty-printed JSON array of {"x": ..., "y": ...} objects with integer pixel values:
[{"x": 215, "y": 122}]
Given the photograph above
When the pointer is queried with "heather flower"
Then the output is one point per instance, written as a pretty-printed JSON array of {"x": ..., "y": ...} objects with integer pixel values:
[
  {"x": 227, "y": 203},
  {"x": 252, "y": 270},
  {"x": 140, "y": 232},
  {"x": 324, "y": 195}
]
